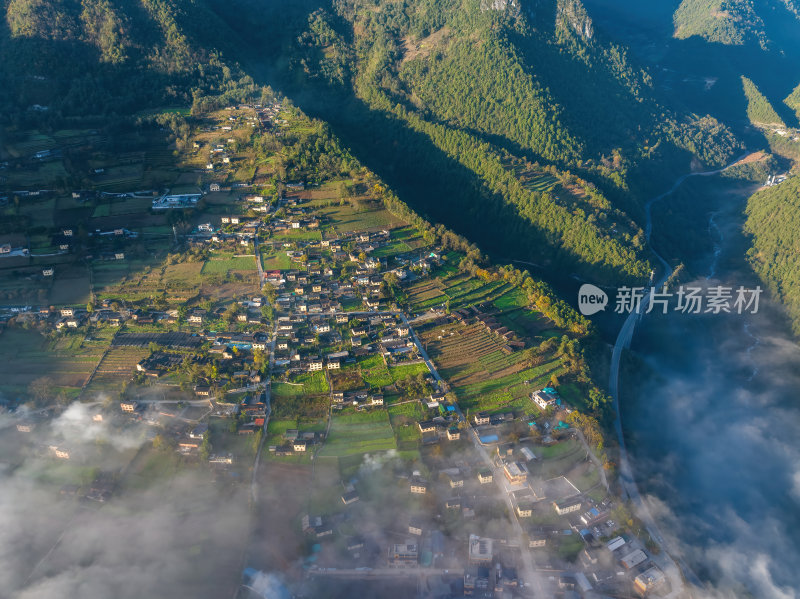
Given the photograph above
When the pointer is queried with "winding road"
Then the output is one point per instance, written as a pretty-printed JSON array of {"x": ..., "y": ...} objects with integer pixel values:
[{"x": 674, "y": 568}]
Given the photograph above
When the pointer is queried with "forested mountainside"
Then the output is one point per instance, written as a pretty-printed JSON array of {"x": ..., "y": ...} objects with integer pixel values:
[
  {"x": 82, "y": 58},
  {"x": 495, "y": 96},
  {"x": 734, "y": 22},
  {"x": 516, "y": 123},
  {"x": 720, "y": 21},
  {"x": 773, "y": 220}
]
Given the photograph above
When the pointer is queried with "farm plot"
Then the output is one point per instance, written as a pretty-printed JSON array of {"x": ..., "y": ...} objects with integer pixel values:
[
  {"x": 117, "y": 366},
  {"x": 425, "y": 294},
  {"x": 120, "y": 178},
  {"x": 348, "y": 219},
  {"x": 346, "y": 379},
  {"x": 403, "y": 371},
  {"x": 312, "y": 383},
  {"x": 481, "y": 373},
  {"x": 404, "y": 418},
  {"x": 359, "y": 432},
  {"x": 28, "y": 356},
  {"x": 374, "y": 371},
  {"x": 392, "y": 248},
  {"x": 275, "y": 261},
  {"x": 409, "y": 236},
  {"x": 223, "y": 265}
]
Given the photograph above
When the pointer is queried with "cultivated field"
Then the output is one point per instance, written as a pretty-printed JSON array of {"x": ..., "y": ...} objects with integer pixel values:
[{"x": 359, "y": 432}]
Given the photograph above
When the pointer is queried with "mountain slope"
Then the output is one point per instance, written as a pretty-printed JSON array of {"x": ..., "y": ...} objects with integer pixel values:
[
  {"x": 491, "y": 85},
  {"x": 519, "y": 126},
  {"x": 730, "y": 22},
  {"x": 773, "y": 220},
  {"x": 759, "y": 110}
]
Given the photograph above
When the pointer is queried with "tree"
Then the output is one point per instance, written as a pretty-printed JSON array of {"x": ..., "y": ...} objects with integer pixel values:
[
  {"x": 205, "y": 447},
  {"x": 41, "y": 389}
]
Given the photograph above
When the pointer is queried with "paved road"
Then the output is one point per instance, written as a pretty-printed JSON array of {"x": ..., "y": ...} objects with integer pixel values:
[{"x": 675, "y": 568}]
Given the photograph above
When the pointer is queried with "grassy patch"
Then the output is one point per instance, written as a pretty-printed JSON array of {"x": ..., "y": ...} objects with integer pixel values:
[
  {"x": 359, "y": 432},
  {"x": 225, "y": 265}
]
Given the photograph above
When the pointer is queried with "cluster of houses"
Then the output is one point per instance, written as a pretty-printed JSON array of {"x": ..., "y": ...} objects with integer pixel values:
[
  {"x": 296, "y": 441},
  {"x": 301, "y": 338}
]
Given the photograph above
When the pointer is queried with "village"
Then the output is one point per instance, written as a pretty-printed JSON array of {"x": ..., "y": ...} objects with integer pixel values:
[{"x": 299, "y": 330}]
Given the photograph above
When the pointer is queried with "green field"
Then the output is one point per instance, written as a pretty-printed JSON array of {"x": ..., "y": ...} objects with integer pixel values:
[
  {"x": 403, "y": 371},
  {"x": 225, "y": 265},
  {"x": 404, "y": 418},
  {"x": 311, "y": 383},
  {"x": 359, "y": 432},
  {"x": 276, "y": 261},
  {"x": 374, "y": 371}
]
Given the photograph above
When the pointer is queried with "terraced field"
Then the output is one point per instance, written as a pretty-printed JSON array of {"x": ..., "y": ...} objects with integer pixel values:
[
  {"x": 460, "y": 290},
  {"x": 28, "y": 356},
  {"x": 118, "y": 365},
  {"x": 482, "y": 375}
]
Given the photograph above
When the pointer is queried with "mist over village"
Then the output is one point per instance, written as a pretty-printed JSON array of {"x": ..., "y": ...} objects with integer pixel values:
[{"x": 399, "y": 299}]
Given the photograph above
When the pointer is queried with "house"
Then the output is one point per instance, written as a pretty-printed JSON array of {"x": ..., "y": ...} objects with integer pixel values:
[
  {"x": 202, "y": 390},
  {"x": 333, "y": 364},
  {"x": 476, "y": 579},
  {"x": 453, "y": 503},
  {"x": 418, "y": 486},
  {"x": 199, "y": 431},
  {"x": 300, "y": 445},
  {"x": 403, "y": 555},
  {"x": 615, "y": 543},
  {"x": 350, "y": 497},
  {"x": 481, "y": 419},
  {"x": 61, "y": 454},
  {"x": 129, "y": 406},
  {"x": 314, "y": 365},
  {"x": 516, "y": 473},
  {"x": 456, "y": 481},
  {"x": 189, "y": 445},
  {"x": 537, "y": 538},
  {"x": 453, "y": 434},
  {"x": 545, "y": 398},
  {"x": 633, "y": 559},
  {"x": 427, "y": 426},
  {"x": 649, "y": 580},
  {"x": 567, "y": 506},
  {"x": 355, "y": 543},
  {"x": 415, "y": 528},
  {"x": 524, "y": 510},
  {"x": 213, "y": 187},
  {"x": 481, "y": 550},
  {"x": 485, "y": 476},
  {"x": 195, "y": 318},
  {"x": 221, "y": 459}
]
